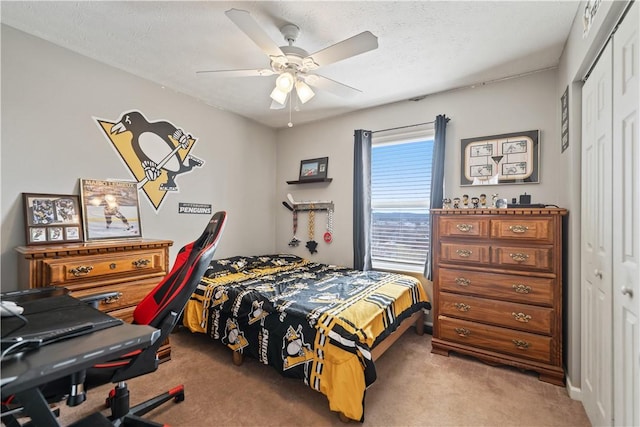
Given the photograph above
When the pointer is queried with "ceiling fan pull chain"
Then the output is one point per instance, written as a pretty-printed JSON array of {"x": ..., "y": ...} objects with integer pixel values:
[{"x": 290, "y": 124}]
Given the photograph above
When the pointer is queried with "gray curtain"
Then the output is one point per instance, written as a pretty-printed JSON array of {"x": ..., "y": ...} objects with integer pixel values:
[
  {"x": 437, "y": 179},
  {"x": 362, "y": 200}
]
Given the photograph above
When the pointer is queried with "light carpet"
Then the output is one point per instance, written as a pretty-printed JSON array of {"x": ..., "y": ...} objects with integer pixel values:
[{"x": 414, "y": 388}]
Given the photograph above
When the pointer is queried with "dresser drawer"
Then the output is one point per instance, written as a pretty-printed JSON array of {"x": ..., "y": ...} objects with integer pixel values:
[
  {"x": 106, "y": 266},
  {"x": 126, "y": 314},
  {"x": 531, "y": 258},
  {"x": 494, "y": 338},
  {"x": 511, "y": 315},
  {"x": 524, "y": 289},
  {"x": 464, "y": 253},
  {"x": 129, "y": 293},
  {"x": 464, "y": 225},
  {"x": 531, "y": 229}
]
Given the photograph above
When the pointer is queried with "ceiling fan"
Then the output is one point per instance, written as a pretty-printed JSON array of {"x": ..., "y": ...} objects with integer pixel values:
[{"x": 294, "y": 66}]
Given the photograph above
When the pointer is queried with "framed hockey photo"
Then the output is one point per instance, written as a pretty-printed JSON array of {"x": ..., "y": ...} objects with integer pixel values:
[
  {"x": 510, "y": 158},
  {"x": 314, "y": 169},
  {"x": 52, "y": 218},
  {"x": 110, "y": 209}
]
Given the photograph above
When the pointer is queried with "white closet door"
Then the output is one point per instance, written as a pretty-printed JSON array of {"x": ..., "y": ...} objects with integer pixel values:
[
  {"x": 596, "y": 277},
  {"x": 626, "y": 223}
]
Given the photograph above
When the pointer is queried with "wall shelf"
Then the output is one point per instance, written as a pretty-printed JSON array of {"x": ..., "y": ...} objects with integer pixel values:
[{"x": 309, "y": 181}]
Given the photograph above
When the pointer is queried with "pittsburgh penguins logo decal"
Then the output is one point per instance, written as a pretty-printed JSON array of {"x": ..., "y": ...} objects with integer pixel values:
[
  {"x": 156, "y": 153},
  {"x": 257, "y": 312},
  {"x": 234, "y": 337},
  {"x": 294, "y": 350}
]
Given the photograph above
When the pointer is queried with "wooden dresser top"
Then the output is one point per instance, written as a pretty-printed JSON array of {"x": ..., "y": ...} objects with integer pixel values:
[
  {"x": 501, "y": 211},
  {"x": 43, "y": 251}
]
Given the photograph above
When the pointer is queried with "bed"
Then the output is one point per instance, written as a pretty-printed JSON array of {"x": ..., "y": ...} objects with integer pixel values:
[{"x": 321, "y": 323}]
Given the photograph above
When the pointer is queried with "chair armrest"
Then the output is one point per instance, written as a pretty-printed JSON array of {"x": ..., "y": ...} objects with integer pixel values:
[{"x": 95, "y": 299}]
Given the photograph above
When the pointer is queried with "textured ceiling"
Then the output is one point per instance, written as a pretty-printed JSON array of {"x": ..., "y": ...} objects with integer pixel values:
[{"x": 424, "y": 46}]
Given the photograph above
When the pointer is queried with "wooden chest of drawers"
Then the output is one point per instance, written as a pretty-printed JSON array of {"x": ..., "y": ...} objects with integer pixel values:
[
  {"x": 497, "y": 287},
  {"x": 132, "y": 268}
]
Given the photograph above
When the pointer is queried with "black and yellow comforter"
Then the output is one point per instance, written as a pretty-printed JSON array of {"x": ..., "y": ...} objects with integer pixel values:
[{"x": 311, "y": 321}]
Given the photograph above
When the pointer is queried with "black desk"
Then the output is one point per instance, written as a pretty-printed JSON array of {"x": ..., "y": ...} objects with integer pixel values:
[{"x": 23, "y": 374}]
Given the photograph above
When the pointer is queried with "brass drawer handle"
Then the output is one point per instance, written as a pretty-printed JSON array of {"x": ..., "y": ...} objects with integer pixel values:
[
  {"x": 462, "y": 307},
  {"x": 464, "y": 253},
  {"x": 519, "y": 229},
  {"x": 521, "y": 289},
  {"x": 463, "y": 332},
  {"x": 521, "y": 317},
  {"x": 141, "y": 263},
  {"x": 81, "y": 269},
  {"x": 111, "y": 300},
  {"x": 461, "y": 281},
  {"x": 464, "y": 227},
  {"x": 519, "y": 257},
  {"x": 520, "y": 344}
]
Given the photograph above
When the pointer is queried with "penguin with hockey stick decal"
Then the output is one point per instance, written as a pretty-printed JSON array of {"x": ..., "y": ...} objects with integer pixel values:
[{"x": 157, "y": 146}]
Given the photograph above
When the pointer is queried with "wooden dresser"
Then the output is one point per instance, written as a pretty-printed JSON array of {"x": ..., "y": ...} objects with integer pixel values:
[
  {"x": 132, "y": 268},
  {"x": 497, "y": 287}
]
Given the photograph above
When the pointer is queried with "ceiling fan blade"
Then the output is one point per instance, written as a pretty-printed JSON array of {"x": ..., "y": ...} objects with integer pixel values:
[
  {"x": 353, "y": 46},
  {"x": 250, "y": 27},
  {"x": 238, "y": 73},
  {"x": 329, "y": 85},
  {"x": 275, "y": 105}
]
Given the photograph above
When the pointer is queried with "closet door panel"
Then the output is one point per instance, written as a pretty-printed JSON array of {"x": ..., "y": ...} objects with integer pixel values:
[
  {"x": 596, "y": 281},
  {"x": 626, "y": 228}
]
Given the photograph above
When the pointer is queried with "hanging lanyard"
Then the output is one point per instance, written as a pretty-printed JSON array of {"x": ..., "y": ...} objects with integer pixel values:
[
  {"x": 312, "y": 244},
  {"x": 328, "y": 235}
]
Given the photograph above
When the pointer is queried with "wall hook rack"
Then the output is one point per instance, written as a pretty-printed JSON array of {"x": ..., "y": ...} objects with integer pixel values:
[{"x": 315, "y": 205}]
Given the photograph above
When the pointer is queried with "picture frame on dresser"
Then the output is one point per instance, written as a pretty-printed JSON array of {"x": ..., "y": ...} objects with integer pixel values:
[
  {"x": 510, "y": 158},
  {"x": 110, "y": 209},
  {"x": 52, "y": 218}
]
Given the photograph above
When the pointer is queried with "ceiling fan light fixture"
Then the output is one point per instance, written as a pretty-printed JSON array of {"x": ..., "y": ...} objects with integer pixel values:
[
  {"x": 304, "y": 91},
  {"x": 279, "y": 95},
  {"x": 280, "y": 60},
  {"x": 285, "y": 82},
  {"x": 309, "y": 63}
]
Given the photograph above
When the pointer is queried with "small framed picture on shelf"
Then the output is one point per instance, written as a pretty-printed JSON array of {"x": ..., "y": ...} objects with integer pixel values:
[
  {"x": 52, "y": 218},
  {"x": 110, "y": 209},
  {"x": 314, "y": 169}
]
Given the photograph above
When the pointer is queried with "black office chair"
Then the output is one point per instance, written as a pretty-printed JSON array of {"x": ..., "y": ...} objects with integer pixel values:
[{"x": 161, "y": 308}]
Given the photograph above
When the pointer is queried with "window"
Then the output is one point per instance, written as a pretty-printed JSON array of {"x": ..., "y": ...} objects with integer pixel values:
[{"x": 400, "y": 200}]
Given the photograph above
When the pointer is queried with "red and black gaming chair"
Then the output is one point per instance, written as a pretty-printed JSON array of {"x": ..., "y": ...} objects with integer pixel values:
[{"x": 161, "y": 308}]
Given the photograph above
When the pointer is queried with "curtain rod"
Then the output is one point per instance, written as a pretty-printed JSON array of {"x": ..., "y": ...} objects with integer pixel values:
[{"x": 403, "y": 127}]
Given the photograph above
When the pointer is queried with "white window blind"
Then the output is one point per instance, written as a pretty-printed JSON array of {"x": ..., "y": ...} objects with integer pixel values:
[{"x": 400, "y": 199}]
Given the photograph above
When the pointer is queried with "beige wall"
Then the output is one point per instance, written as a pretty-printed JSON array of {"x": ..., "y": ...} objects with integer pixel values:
[
  {"x": 514, "y": 105},
  {"x": 49, "y": 141}
]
